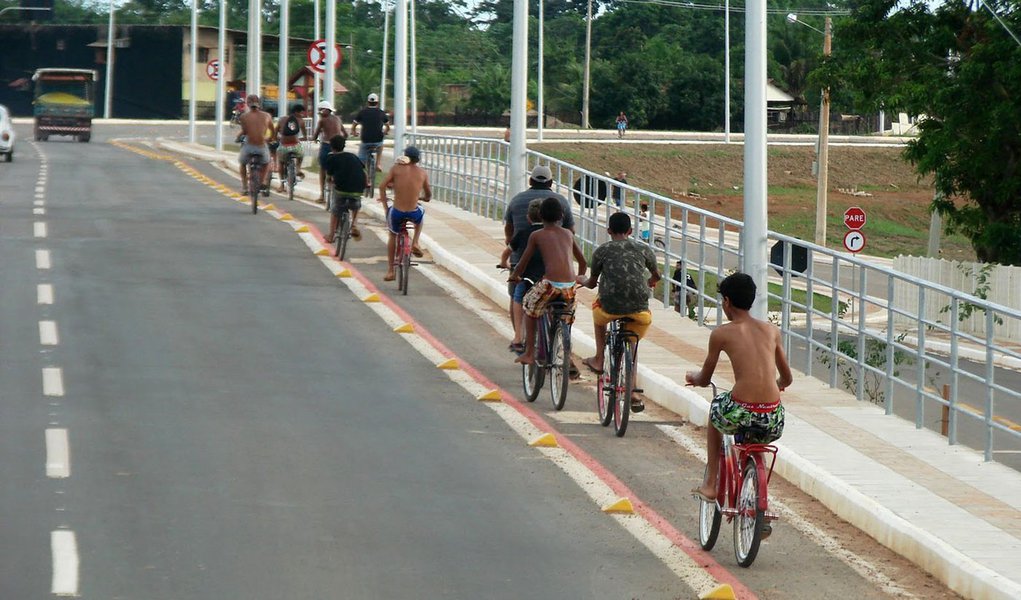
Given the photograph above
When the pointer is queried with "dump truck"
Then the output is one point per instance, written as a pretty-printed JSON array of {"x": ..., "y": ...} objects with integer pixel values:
[{"x": 64, "y": 103}]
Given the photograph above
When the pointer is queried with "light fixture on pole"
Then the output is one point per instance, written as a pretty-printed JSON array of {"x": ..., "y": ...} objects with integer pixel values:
[{"x": 822, "y": 176}]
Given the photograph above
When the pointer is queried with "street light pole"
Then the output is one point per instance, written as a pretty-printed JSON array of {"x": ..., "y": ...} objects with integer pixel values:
[
  {"x": 588, "y": 59},
  {"x": 108, "y": 84},
  {"x": 540, "y": 107},
  {"x": 824, "y": 148},
  {"x": 193, "y": 84},
  {"x": 726, "y": 68}
]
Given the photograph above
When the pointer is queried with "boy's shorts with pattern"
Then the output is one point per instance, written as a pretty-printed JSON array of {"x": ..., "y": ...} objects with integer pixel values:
[
  {"x": 752, "y": 423},
  {"x": 544, "y": 292}
]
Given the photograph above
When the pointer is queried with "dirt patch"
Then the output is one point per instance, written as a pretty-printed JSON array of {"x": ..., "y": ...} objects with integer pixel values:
[{"x": 711, "y": 177}]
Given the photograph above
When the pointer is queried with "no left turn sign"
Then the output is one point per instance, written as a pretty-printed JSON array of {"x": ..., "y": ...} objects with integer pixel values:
[
  {"x": 213, "y": 69},
  {"x": 317, "y": 56}
]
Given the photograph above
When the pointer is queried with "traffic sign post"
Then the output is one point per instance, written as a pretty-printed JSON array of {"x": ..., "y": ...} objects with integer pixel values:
[
  {"x": 854, "y": 218},
  {"x": 317, "y": 56},
  {"x": 213, "y": 69},
  {"x": 854, "y": 241}
]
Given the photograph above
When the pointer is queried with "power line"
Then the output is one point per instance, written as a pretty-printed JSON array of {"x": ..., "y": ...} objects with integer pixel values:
[{"x": 720, "y": 7}]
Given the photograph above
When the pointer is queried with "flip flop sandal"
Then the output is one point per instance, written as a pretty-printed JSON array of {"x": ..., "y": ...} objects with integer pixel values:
[{"x": 589, "y": 366}]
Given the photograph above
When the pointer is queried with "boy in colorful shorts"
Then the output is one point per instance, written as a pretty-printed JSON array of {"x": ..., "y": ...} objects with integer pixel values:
[
  {"x": 556, "y": 245},
  {"x": 753, "y": 407}
]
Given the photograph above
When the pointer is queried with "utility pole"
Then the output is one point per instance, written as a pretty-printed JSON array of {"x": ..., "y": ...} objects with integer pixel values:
[
  {"x": 824, "y": 147},
  {"x": 588, "y": 60},
  {"x": 755, "y": 254}
]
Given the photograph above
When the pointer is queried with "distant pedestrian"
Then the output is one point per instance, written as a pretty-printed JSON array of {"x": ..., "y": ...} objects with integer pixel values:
[
  {"x": 621, "y": 124},
  {"x": 618, "y": 192}
]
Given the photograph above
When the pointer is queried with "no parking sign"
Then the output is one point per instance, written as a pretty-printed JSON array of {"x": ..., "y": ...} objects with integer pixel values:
[
  {"x": 317, "y": 56},
  {"x": 213, "y": 69}
]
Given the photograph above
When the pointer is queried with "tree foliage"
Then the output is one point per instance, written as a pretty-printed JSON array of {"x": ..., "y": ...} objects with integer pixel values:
[{"x": 960, "y": 69}]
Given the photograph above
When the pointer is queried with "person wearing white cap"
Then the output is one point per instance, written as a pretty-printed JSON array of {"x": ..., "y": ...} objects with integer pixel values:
[
  {"x": 329, "y": 126},
  {"x": 515, "y": 220},
  {"x": 375, "y": 124}
]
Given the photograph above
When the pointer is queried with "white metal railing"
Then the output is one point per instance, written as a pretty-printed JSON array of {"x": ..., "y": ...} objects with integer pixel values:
[{"x": 836, "y": 311}]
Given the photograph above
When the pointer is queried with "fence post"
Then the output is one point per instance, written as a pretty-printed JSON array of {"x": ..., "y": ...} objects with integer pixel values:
[{"x": 944, "y": 422}]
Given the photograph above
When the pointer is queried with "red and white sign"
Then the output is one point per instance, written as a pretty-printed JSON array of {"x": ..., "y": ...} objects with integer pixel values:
[
  {"x": 854, "y": 241},
  {"x": 854, "y": 218},
  {"x": 213, "y": 69},
  {"x": 317, "y": 56}
]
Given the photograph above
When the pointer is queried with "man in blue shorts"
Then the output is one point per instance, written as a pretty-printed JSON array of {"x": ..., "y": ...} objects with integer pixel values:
[{"x": 409, "y": 182}]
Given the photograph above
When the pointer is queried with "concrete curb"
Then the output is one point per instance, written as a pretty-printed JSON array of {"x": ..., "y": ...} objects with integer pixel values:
[{"x": 958, "y": 571}]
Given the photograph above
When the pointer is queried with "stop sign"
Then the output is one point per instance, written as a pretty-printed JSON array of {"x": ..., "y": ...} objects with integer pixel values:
[{"x": 854, "y": 218}]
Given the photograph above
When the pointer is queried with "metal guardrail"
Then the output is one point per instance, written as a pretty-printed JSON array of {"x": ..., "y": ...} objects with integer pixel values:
[{"x": 842, "y": 316}]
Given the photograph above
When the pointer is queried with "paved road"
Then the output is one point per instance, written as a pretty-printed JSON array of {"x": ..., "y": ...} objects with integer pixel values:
[{"x": 241, "y": 425}]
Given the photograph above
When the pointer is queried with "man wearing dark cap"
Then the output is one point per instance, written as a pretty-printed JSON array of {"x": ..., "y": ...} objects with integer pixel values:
[{"x": 515, "y": 220}]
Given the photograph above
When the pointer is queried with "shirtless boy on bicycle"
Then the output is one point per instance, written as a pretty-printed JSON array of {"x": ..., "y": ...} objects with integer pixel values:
[
  {"x": 256, "y": 127},
  {"x": 756, "y": 355},
  {"x": 556, "y": 245},
  {"x": 409, "y": 181}
]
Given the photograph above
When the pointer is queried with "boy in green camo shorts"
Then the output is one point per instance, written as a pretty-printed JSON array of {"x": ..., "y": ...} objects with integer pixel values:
[{"x": 756, "y": 354}]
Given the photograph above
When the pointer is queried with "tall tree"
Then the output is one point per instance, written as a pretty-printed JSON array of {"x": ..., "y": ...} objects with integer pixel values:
[{"x": 959, "y": 69}]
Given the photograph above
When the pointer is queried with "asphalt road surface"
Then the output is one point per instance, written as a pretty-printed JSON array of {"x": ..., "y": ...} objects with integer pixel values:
[{"x": 194, "y": 407}]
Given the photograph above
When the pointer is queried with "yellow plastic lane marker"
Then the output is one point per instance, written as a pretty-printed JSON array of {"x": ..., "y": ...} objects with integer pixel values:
[
  {"x": 546, "y": 440},
  {"x": 302, "y": 229},
  {"x": 620, "y": 507},
  {"x": 344, "y": 273},
  {"x": 720, "y": 592},
  {"x": 491, "y": 396},
  {"x": 322, "y": 252},
  {"x": 371, "y": 298},
  {"x": 286, "y": 217},
  {"x": 406, "y": 328},
  {"x": 449, "y": 364},
  {"x": 269, "y": 207}
]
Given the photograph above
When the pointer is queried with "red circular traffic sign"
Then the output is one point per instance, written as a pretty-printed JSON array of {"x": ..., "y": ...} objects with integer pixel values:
[
  {"x": 854, "y": 241},
  {"x": 854, "y": 218},
  {"x": 213, "y": 69},
  {"x": 317, "y": 56}
]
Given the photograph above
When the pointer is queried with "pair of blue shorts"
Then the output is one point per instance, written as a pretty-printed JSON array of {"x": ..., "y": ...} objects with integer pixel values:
[
  {"x": 520, "y": 289},
  {"x": 366, "y": 148},
  {"x": 394, "y": 218},
  {"x": 324, "y": 151}
]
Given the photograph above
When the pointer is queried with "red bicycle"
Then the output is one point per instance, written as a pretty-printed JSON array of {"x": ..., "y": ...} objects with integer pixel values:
[
  {"x": 741, "y": 496},
  {"x": 402, "y": 255}
]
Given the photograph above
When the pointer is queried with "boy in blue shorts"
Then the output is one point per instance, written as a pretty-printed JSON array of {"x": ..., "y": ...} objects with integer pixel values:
[
  {"x": 409, "y": 182},
  {"x": 756, "y": 354}
]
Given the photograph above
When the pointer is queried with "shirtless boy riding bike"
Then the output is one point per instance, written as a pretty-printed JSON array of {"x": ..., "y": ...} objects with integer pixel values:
[
  {"x": 756, "y": 355},
  {"x": 409, "y": 181}
]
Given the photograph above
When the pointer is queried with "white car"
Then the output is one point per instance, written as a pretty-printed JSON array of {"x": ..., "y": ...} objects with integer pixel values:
[{"x": 7, "y": 135}]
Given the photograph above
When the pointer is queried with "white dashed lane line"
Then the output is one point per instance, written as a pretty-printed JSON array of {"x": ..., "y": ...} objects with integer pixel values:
[
  {"x": 44, "y": 293},
  {"x": 38, "y": 211},
  {"x": 64, "y": 547},
  {"x": 58, "y": 454},
  {"x": 53, "y": 381},
  {"x": 39, "y": 229},
  {"x": 48, "y": 333},
  {"x": 42, "y": 259}
]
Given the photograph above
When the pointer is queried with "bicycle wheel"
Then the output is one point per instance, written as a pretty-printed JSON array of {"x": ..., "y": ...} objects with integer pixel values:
[
  {"x": 623, "y": 386},
  {"x": 291, "y": 178},
  {"x": 253, "y": 186},
  {"x": 708, "y": 522},
  {"x": 405, "y": 266},
  {"x": 341, "y": 234},
  {"x": 605, "y": 392},
  {"x": 370, "y": 177},
  {"x": 533, "y": 375},
  {"x": 559, "y": 363},
  {"x": 749, "y": 520},
  {"x": 399, "y": 259}
]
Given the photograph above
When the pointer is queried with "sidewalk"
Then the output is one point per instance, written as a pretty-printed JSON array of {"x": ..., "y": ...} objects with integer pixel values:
[{"x": 940, "y": 506}]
